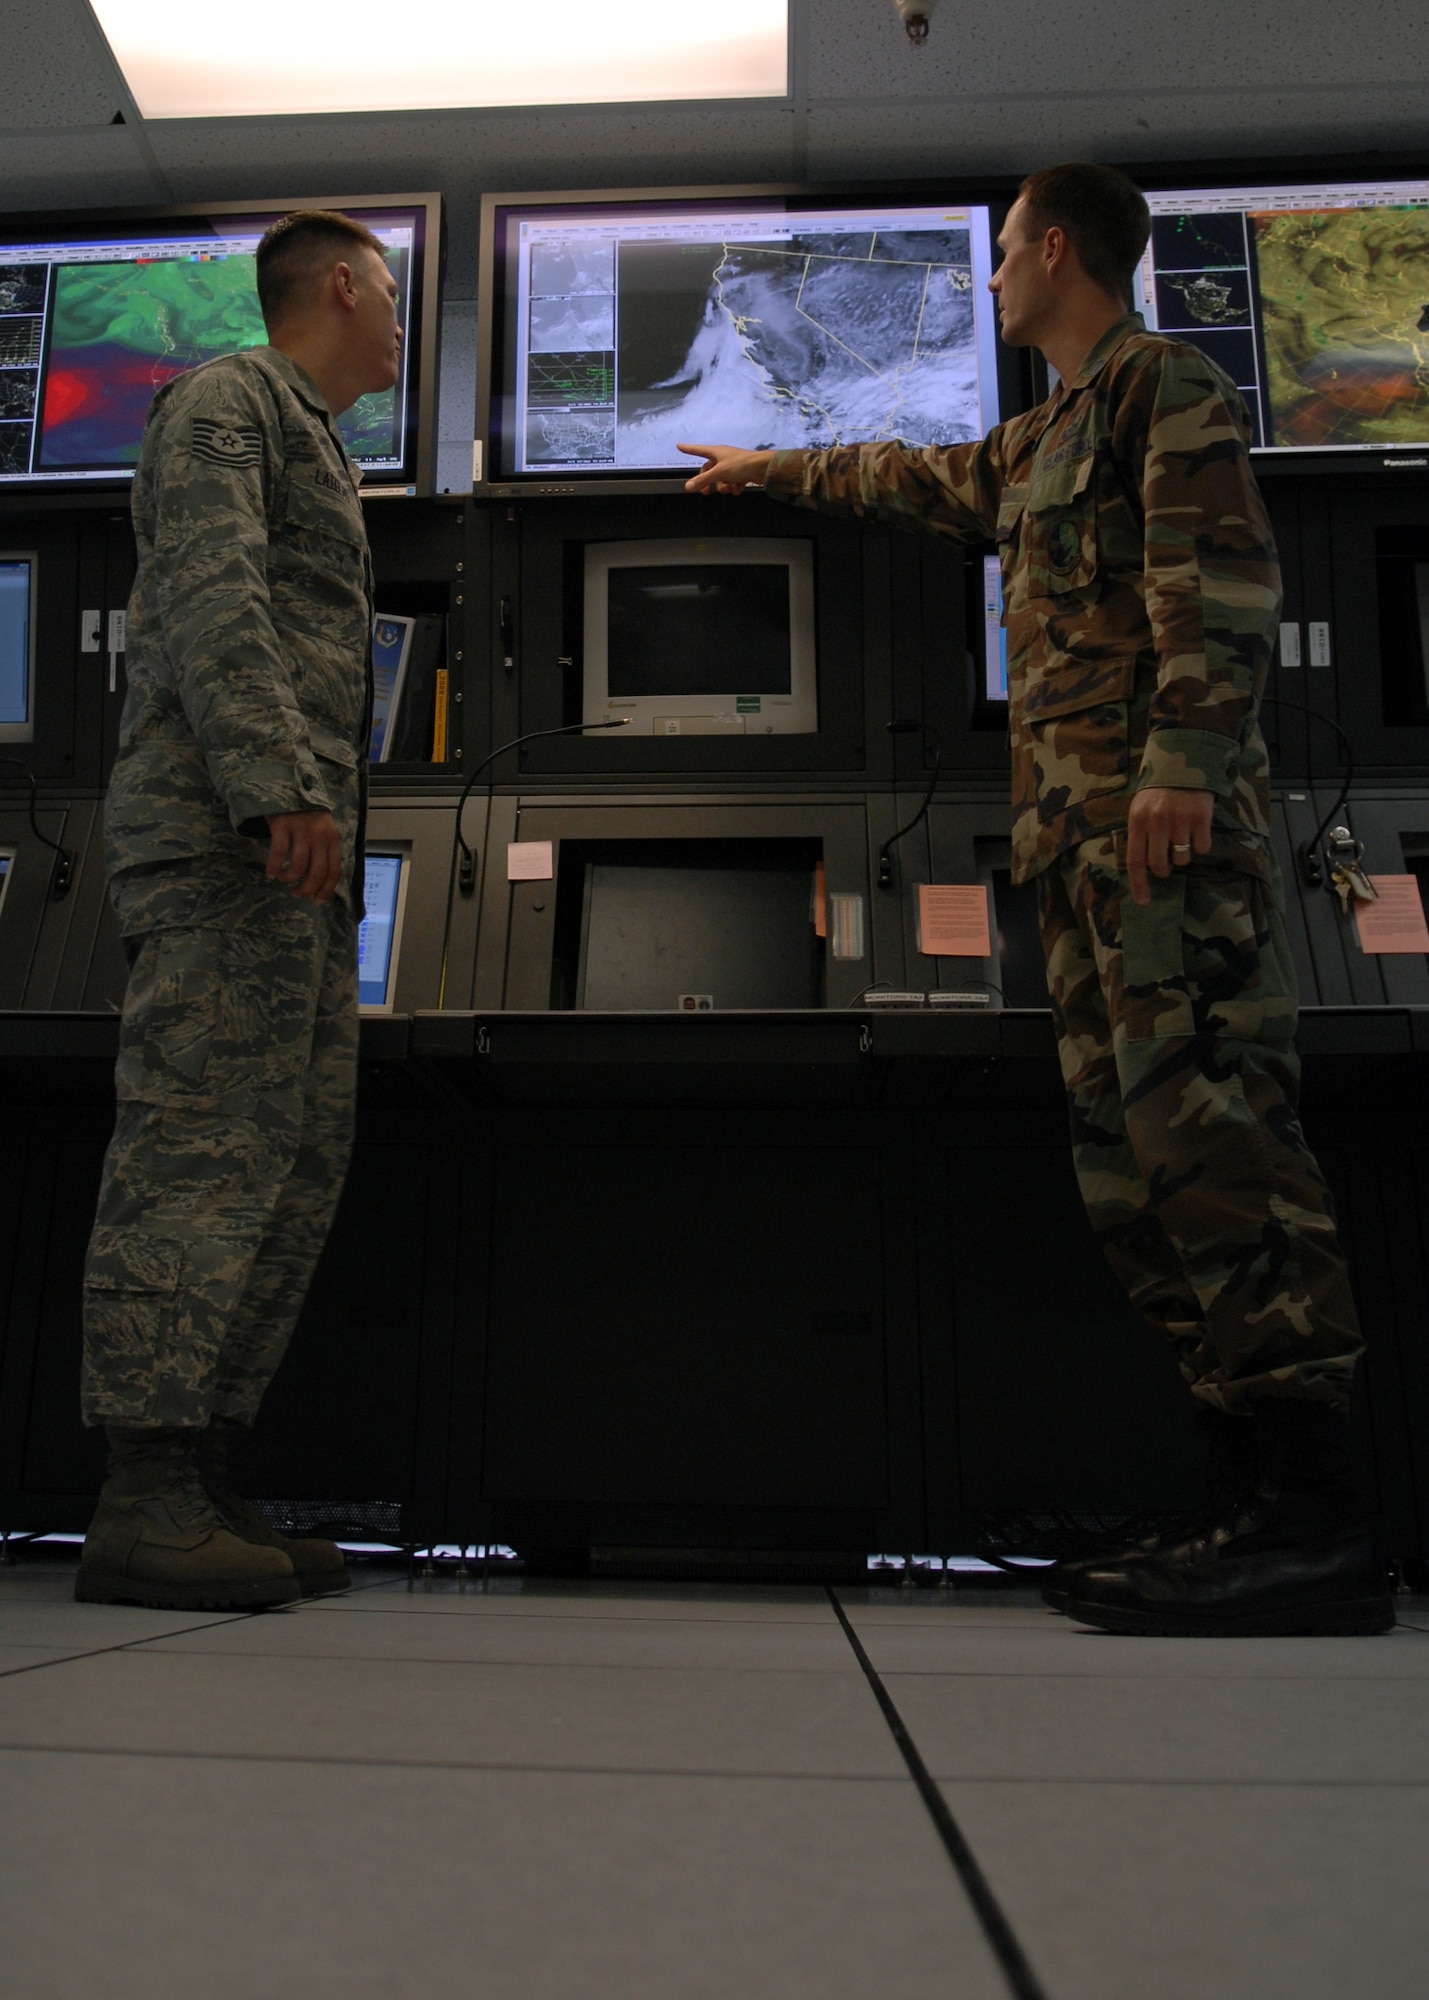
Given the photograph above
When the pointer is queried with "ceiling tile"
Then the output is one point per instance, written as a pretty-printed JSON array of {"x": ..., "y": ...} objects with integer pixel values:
[
  {"x": 103, "y": 169},
  {"x": 858, "y": 50},
  {"x": 991, "y": 136},
  {"x": 57, "y": 69}
]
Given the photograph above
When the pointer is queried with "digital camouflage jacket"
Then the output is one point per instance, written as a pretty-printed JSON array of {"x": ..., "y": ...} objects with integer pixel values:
[
  {"x": 1140, "y": 580},
  {"x": 250, "y": 621}
]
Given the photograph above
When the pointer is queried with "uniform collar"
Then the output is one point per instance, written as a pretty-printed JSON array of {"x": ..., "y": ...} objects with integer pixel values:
[
  {"x": 297, "y": 379},
  {"x": 1119, "y": 330}
]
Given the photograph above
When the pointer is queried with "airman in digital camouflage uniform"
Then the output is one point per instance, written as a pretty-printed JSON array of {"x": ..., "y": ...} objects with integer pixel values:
[
  {"x": 1142, "y": 595},
  {"x": 233, "y": 832}
]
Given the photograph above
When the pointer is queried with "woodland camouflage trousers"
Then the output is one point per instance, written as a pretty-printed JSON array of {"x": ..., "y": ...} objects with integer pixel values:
[
  {"x": 236, "y": 1086},
  {"x": 1175, "y": 1029}
]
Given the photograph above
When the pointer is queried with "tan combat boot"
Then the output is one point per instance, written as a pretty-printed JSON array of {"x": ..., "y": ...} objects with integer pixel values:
[
  {"x": 318, "y": 1565},
  {"x": 157, "y": 1539}
]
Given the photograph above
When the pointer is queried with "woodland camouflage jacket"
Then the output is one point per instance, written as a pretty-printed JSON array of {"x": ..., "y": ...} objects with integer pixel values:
[
  {"x": 1140, "y": 580},
  {"x": 249, "y": 624}
]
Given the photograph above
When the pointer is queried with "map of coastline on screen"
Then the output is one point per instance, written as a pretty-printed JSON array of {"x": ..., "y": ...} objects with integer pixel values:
[
  {"x": 637, "y": 332},
  {"x": 89, "y": 332},
  {"x": 1315, "y": 300}
]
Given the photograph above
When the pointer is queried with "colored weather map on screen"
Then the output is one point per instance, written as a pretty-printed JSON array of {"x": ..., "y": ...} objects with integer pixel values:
[
  {"x": 120, "y": 331},
  {"x": 1344, "y": 298}
]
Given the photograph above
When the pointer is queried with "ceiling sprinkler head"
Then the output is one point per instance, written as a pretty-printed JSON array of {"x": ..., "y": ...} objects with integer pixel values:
[{"x": 914, "y": 14}]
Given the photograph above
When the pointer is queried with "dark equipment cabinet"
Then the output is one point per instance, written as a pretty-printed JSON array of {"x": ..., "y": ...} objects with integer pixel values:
[{"x": 798, "y": 1285}]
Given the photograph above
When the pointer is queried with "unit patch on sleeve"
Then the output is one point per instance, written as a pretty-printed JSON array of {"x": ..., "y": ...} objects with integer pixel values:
[{"x": 227, "y": 444}]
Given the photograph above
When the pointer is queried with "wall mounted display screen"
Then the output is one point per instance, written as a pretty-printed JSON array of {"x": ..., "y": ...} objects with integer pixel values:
[
  {"x": 1313, "y": 298},
  {"x": 379, "y": 938},
  {"x": 615, "y": 329},
  {"x": 17, "y": 648},
  {"x": 97, "y": 314}
]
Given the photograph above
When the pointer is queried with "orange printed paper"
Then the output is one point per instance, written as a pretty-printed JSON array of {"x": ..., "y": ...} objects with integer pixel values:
[
  {"x": 1395, "y": 920},
  {"x": 952, "y": 920}
]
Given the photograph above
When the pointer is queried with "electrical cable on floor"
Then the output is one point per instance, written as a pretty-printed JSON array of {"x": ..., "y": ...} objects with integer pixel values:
[{"x": 999, "y": 1933}]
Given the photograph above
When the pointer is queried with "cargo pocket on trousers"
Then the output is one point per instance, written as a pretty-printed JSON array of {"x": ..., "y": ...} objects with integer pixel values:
[
  {"x": 1155, "y": 997},
  {"x": 130, "y": 1282}
]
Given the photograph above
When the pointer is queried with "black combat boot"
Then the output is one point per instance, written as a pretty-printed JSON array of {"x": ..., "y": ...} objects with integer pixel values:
[
  {"x": 157, "y": 1539},
  {"x": 1289, "y": 1554},
  {"x": 318, "y": 1565},
  {"x": 1230, "y": 1456}
]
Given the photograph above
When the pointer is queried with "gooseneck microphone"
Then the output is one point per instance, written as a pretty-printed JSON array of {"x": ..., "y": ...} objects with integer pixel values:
[
  {"x": 466, "y": 867},
  {"x": 909, "y": 726}
]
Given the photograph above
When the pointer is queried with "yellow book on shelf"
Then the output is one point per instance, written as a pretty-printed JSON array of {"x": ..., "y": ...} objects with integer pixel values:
[{"x": 439, "y": 718}]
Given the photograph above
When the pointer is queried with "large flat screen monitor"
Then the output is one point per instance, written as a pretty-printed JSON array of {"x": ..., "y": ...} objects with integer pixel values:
[
  {"x": 17, "y": 647},
  {"x": 98, "y": 311},
  {"x": 1313, "y": 296},
  {"x": 705, "y": 636},
  {"x": 614, "y": 327}
]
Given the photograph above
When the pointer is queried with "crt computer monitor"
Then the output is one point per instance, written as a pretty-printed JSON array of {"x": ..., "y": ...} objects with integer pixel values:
[
  {"x": 701, "y": 636},
  {"x": 1312, "y": 296},
  {"x": 17, "y": 646},
  {"x": 99, "y": 311},
  {"x": 614, "y": 326}
]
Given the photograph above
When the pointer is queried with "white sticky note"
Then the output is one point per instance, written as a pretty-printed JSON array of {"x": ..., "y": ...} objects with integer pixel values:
[
  {"x": 530, "y": 861},
  {"x": 952, "y": 920},
  {"x": 1395, "y": 920}
]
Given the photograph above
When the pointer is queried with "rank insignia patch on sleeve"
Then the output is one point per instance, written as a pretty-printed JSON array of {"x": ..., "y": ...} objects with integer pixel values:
[{"x": 227, "y": 444}]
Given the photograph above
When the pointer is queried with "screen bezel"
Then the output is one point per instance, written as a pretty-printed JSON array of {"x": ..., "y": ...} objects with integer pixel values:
[
  {"x": 1165, "y": 177},
  {"x": 24, "y": 732},
  {"x": 417, "y": 479},
  {"x": 401, "y": 852},
  {"x": 789, "y": 553},
  {"x": 1015, "y": 378}
]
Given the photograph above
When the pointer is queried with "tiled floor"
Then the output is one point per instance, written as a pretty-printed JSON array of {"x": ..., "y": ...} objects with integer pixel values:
[{"x": 663, "y": 1792}]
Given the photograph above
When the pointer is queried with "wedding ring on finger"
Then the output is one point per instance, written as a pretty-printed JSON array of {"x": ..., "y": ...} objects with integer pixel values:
[{"x": 1180, "y": 847}]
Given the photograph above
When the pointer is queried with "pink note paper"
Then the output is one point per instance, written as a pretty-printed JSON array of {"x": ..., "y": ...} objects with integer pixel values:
[
  {"x": 1395, "y": 922},
  {"x": 529, "y": 861},
  {"x": 952, "y": 920}
]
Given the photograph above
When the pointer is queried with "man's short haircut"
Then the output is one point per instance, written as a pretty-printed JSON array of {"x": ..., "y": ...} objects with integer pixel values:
[
  {"x": 298, "y": 252},
  {"x": 1104, "y": 214}
]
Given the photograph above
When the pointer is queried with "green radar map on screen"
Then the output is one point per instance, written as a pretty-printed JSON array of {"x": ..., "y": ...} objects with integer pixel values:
[{"x": 119, "y": 331}]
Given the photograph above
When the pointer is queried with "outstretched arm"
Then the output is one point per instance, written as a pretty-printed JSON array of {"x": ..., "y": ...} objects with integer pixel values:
[{"x": 727, "y": 469}]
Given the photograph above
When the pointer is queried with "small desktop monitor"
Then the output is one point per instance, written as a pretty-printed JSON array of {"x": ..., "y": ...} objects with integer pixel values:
[
  {"x": 379, "y": 940},
  {"x": 616, "y": 326},
  {"x": 710, "y": 636},
  {"x": 7, "y": 866},
  {"x": 17, "y": 647},
  {"x": 99, "y": 311},
  {"x": 1312, "y": 296},
  {"x": 994, "y": 631}
]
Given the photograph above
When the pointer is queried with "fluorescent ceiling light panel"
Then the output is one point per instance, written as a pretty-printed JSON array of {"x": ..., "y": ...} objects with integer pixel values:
[{"x": 197, "y": 59}]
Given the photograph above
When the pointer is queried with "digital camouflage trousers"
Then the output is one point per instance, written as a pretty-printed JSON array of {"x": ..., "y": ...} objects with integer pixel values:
[
  {"x": 236, "y": 1087},
  {"x": 1175, "y": 1029}
]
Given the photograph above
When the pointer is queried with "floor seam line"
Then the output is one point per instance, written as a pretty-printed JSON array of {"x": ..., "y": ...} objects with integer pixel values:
[
  {"x": 1012, "y": 1960},
  {"x": 701, "y": 1771}
]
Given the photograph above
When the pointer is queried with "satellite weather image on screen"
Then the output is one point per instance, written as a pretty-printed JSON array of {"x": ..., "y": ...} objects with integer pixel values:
[
  {"x": 775, "y": 330},
  {"x": 90, "y": 331},
  {"x": 1314, "y": 301}
]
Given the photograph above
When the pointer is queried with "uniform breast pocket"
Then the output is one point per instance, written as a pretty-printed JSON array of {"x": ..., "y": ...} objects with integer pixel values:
[
  {"x": 1077, "y": 721},
  {"x": 1061, "y": 532},
  {"x": 322, "y": 541}
]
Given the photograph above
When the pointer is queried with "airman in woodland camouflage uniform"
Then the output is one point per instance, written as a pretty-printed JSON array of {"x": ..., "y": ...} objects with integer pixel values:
[
  {"x": 1142, "y": 596},
  {"x": 234, "y": 845}
]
